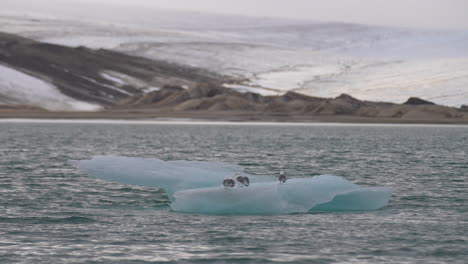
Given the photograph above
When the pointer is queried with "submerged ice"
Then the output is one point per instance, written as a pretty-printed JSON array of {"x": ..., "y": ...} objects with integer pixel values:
[{"x": 196, "y": 187}]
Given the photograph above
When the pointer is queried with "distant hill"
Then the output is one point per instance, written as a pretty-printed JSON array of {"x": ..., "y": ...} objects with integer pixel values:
[
  {"x": 217, "y": 99},
  {"x": 100, "y": 77},
  {"x": 59, "y": 78},
  {"x": 322, "y": 59}
]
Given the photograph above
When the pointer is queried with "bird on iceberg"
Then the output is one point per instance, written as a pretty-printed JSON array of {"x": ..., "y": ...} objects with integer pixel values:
[
  {"x": 244, "y": 180},
  {"x": 228, "y": 182},
  {"x": 282, "y": 177}
]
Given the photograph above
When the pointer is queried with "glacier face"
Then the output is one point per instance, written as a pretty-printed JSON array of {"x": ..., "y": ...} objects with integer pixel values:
[
  {"x": 196, "y": 187},
  {"x": 277, "y": 55}
]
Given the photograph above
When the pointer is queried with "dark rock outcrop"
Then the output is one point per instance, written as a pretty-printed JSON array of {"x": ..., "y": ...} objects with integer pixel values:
[
  {"x": 417, "y": 101},
  {"x": 341, "y": 105}
]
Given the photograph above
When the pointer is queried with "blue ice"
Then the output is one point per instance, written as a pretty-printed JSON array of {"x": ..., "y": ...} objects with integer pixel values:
[{"x": 196, "y": 187}]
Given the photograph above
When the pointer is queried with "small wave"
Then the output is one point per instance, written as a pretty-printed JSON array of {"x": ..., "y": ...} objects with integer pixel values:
[{"x": 48, "y": 220}]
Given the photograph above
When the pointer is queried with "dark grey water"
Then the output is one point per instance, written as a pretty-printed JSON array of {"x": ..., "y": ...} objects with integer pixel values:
[{"x": 50, "y": 213}]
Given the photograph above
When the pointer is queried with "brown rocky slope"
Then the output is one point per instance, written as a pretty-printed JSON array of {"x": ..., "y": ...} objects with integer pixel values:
[{"x": 215, "y": 99}]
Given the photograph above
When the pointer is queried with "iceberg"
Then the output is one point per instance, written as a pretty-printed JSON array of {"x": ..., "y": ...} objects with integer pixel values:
[{"x": 196, "y": 187}]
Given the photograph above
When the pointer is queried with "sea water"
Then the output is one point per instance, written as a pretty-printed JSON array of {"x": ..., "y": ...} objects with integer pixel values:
[{"x": 50, "y": 212}]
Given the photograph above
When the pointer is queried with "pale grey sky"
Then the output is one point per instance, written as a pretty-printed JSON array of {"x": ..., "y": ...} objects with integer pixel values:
[{"x": 412, "y": 13}]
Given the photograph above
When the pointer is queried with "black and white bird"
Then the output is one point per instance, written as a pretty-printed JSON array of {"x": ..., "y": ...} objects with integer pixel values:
[
  {"x": 244, "y": 180},
  {"x": 282, "y": 177},
  {"x": 228, "y": 182}
]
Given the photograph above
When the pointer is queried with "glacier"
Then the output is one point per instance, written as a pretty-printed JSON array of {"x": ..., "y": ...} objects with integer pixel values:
[
  {"x": 196, "y": 187},
  {"x": 272, "y": 56}
]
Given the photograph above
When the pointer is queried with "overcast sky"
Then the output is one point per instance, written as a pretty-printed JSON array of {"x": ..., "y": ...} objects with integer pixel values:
[{"x": 412, "y": 13}]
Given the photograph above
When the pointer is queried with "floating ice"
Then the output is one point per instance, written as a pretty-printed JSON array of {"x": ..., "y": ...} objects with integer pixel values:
[
  {"x": 196, "y": 187},
  {"x": 171, "y": 176}
]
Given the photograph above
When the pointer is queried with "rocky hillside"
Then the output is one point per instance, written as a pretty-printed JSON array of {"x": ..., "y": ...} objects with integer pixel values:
[
  {"x": 212, "y": 98},
  {"x": 99, "y": 76},
  {"x": 133, "y": 87}
]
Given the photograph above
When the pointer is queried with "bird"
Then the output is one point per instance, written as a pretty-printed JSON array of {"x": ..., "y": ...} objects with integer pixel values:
[
  {"x": 246, "y": 181},
  {"x": 228, "y": 182},
  {"x": 282, "y": 177},
  {"x": 243, "y": 179}
]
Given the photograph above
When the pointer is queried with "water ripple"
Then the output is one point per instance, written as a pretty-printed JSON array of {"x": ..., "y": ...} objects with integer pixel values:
[{"x": 49, "y": 213}]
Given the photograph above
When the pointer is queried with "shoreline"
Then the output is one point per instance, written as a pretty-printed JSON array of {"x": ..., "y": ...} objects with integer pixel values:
[
  {"x": 209, "y": 123},
  {"x": 208, "y": 117}
]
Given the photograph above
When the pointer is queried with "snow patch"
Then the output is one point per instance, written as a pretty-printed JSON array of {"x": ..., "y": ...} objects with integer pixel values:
[
  {"x": 151, "y": 89},
  {"x": 113, "y": 79},
  {"x": 290, "y": 78},
  {"x": 442, "y": 81},
  {"x": 121, "y": 79},
  {"x": 19, "y": 88},
  {"x": 250, "y": 89}
]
